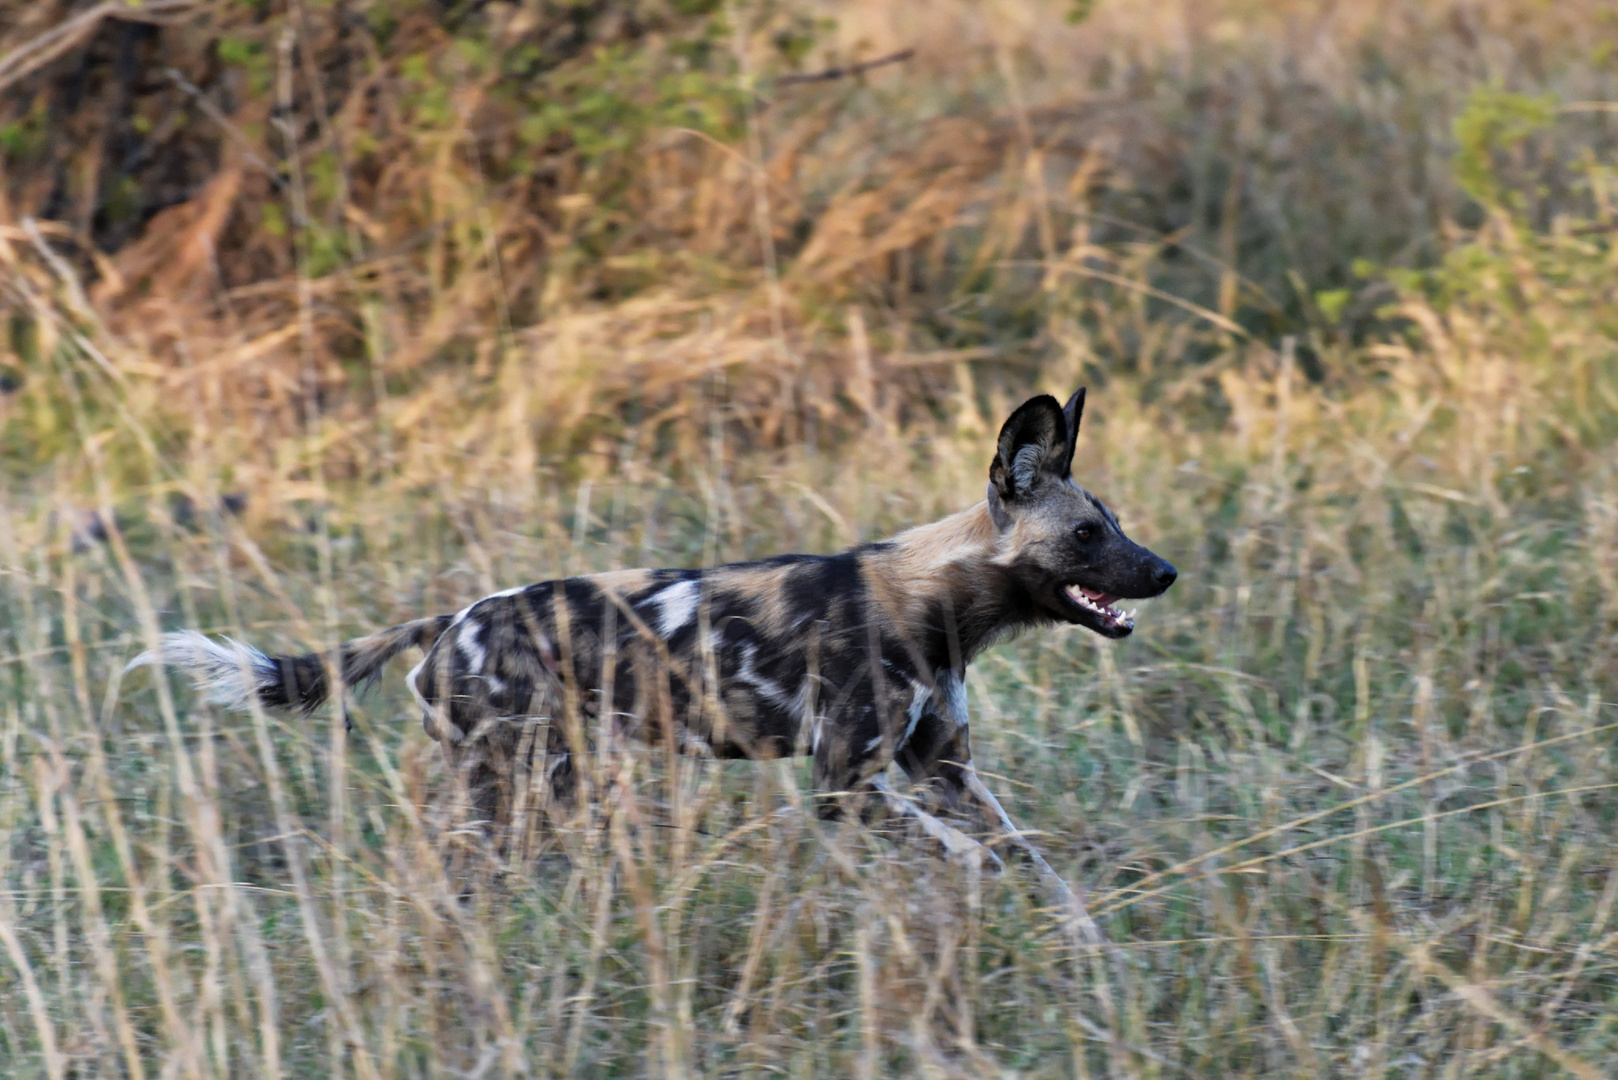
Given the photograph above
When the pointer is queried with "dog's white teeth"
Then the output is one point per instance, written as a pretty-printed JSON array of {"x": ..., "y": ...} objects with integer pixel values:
[
  {"x": 1113, "y": 615},
  {"x": 1078, "y": 597}
]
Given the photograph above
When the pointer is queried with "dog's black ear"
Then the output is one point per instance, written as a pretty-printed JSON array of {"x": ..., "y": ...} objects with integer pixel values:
[
  {"x": 1034, "y": 440},
  {"x": 1072, "y": 412}
]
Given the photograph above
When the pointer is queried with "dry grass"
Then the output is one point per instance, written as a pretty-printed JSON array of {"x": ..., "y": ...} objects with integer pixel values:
[{"x": 1345, "y": 801}]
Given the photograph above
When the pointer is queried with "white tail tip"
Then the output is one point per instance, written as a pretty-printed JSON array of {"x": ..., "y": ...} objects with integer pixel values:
[{"x": 229, "y": 672}]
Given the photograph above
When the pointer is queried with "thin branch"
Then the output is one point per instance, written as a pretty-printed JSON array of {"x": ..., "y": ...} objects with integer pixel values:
[
  {"x": 217, "y": 115},
  {"x": 28, "y": 58},
  {"x": 845, "y": 72}
]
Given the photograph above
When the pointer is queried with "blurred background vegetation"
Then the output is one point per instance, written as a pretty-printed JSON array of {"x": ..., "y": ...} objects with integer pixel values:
[{"x": 320, "y": 315}]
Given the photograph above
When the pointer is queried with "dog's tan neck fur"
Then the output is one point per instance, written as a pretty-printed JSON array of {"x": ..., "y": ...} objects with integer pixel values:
[{"x": 947, "y": 582}]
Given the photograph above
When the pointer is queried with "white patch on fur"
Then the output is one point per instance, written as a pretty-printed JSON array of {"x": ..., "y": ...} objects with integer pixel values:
[
  {"x": 920, "y": 695},
  {"x": 514, "y": 591},
  {"x": 432, "y": 718},
  {"x": 1025, "y": 465},
  {"x": 230, "y": 673},
  {"x": 415, "y": 691},
  {"x": 676, "y": 605},
  {"x": 918, "y": 706},
  {"x": 807, "y": 697},
  {"x": 467, "y": 642},
  {"x": 768, "y": 689},
  {"x": 808, "y": 694}
]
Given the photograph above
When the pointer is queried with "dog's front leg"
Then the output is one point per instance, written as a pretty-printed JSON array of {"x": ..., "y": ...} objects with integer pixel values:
[
  {"x": 939, "y": 756},
  {"x": 1062, "y": 894},
  {"x": 958, "y": 847},
  {"x": 849, "y": 774},
  {"x": 875, "y": 797}
]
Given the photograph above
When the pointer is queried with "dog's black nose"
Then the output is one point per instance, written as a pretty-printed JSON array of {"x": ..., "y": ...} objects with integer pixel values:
[{"x": 1164, "y": 575}]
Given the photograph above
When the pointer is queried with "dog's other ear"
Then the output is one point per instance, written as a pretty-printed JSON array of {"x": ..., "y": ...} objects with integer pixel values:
[
  {"x": 1034, "y": 440},
  {"x": 1072, "y": 412}
]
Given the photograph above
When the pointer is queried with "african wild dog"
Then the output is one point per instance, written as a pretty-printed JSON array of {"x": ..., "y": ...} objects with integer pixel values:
[{"x": 858, "y": 658}]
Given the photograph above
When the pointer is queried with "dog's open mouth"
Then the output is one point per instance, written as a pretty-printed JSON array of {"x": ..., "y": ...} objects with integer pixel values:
[{"x": 1100, "y": 604}]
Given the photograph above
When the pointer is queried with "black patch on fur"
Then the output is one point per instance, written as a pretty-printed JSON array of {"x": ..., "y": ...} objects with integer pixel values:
[{"x": 300, "y": 683}]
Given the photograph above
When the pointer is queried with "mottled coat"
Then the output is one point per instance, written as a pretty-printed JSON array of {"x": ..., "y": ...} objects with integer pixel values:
[{"x": 857, "y": 659}]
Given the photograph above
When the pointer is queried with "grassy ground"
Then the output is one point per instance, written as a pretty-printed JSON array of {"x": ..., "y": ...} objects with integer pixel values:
[{"x": 1344, "y": 803}]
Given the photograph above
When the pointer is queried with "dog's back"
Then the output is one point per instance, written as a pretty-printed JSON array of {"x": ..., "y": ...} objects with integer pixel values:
[{"x": 795, "y": 654}]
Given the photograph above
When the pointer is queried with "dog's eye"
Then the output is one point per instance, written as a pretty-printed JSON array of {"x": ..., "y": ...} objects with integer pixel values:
[{"x": 1084, "y": 532}]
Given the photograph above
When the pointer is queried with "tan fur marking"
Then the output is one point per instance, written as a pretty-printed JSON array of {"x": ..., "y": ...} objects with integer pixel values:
[
  {"x": 622, "y": 581},
  {"x": 927, "y": 548},
  {"x": 768, "y": 584},
  {"x": 945, "y": 558}
]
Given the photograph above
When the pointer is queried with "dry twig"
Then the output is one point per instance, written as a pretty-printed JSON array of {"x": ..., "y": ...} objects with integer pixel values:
[{"x": 26, "y": 59}]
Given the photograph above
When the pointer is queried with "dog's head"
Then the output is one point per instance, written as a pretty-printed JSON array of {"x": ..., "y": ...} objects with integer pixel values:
[{"x": 1065, "y": 548}]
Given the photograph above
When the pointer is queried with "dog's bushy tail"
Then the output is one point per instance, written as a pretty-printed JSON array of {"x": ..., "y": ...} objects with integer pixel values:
[{"x": 234, "y": 674}]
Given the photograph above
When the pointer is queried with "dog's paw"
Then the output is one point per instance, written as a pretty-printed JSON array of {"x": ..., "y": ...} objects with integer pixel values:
[{"x": 969, "y": 852}]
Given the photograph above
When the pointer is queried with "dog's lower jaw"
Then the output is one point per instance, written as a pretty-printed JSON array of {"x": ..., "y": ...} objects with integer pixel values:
[{"x": 1100, "y": 605}]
